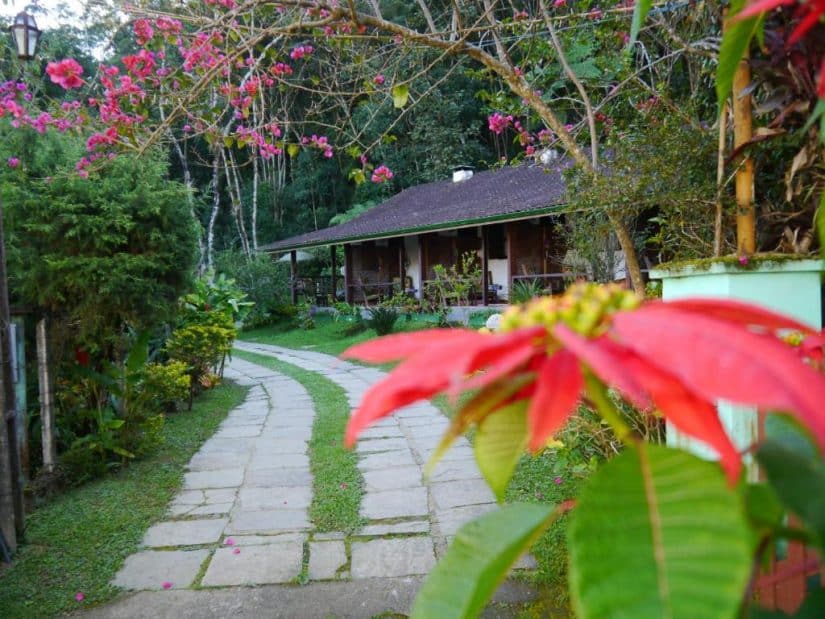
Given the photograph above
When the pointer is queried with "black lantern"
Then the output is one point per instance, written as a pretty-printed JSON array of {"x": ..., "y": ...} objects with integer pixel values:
[{"x": 26, "y": 35}]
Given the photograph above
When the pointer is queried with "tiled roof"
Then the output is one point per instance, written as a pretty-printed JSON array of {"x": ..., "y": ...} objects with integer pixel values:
[{"x": 492, "y": 195}]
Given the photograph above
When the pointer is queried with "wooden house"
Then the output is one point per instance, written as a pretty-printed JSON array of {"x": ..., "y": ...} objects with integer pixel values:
[{"x": 509, "y": 218}]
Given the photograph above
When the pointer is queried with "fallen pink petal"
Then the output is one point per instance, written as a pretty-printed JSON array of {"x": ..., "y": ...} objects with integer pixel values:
[
  {"x": 79, "y": 596},
  {"x": 236, "y": 551},
  {"x": 166, "y": 584}
]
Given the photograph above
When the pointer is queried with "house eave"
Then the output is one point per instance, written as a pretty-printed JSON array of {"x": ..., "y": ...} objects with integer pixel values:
[{"x": 450, "y": 225}]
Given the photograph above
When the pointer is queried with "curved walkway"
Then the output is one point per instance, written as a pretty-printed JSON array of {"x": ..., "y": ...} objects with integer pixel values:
[{"x": 241, "y": 518}]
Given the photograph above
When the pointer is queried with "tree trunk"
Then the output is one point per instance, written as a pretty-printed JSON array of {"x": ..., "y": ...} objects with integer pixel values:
[{"x": 216, "y": 205}]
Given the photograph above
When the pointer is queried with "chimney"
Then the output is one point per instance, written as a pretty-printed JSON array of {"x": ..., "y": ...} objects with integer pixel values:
[
  {"x": 462, "y": 173},
  {"x": 548, "y": 156}
]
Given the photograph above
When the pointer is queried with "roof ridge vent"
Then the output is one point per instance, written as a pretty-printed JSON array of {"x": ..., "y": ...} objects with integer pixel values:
[{"x": 462, "y": 173}]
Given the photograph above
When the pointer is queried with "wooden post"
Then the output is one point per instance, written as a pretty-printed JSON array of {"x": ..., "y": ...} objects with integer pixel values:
[
  {"x": 422, "y": 267},
  {"x": 508, "y": 241},
  {"x": 11, "y": 490},
  {"x": 401, "y": 272},
  {"x": 46, "y": 399},
  {"x": 347, "y": 273},
  {"x": 485, "y": 274},
  {"x": 742, "y": 133},
  {"x": 333, "y": 284},
  {"x": 293, "y": 275}
]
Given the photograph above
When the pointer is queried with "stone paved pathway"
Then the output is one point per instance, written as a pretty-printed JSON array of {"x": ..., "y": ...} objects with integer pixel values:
[{"x": 241, "y": 518}]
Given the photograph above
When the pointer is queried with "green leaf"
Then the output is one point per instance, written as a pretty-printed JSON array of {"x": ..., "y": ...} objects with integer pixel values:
[
  {"x": 293, "y": 150},
  {"x": 657, "y": 533},
  {"x": 762, "y": 505},
  {"x": 357, "y": 175},
  {"x": 500, "y": 441},
  {"x": 139, "y": 353},
  {"x": 122, "y": 452},
  {"x": 228, "y": 141},
  {"x": 640, "y": 12},
  {"x": 799, "y": 481},
  {"x": 735, "y": 42},
  {"x": 478, "y": 559},
  {"x": 400, "y": 95}
]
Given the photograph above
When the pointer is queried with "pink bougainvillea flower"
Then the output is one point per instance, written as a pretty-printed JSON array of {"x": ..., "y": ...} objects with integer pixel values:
[
  {"x": 229, "y": 541},
  {"x": 79, "y": 596},
  {"x": 66, "y": 73},
  {"x": 13, "y": 162},
  {"x": 236, "y": 551},
  {"x": 166, "y": 584},
  {"x": 677, "y": 357}
]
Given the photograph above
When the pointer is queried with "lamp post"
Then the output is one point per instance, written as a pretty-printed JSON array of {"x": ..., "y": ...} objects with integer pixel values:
[{"x": 26, "y": 37}]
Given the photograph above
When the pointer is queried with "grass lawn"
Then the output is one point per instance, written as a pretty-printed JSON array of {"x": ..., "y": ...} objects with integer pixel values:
[
  {"x": 78, "y": 541},
  {"x": 327, "y": 336},
  {"x": 337, "y": 484}
]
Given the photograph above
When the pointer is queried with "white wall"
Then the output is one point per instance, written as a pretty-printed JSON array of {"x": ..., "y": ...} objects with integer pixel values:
[
  {"x": 413, "y": 262},
  {"x": 500, "y": 271}
]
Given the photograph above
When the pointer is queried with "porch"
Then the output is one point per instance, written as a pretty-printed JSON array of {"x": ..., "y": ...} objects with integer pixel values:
[{"x": 527, "y": 252}]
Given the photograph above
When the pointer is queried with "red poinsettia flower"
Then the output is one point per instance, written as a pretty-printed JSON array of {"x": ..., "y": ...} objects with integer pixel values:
[
  {"x": 678, "y": 357},
  {"x": 810, "y": 12}
]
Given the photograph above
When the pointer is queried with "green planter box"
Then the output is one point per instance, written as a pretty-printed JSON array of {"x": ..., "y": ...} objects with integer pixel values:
[{"x": 793, "y": 287}]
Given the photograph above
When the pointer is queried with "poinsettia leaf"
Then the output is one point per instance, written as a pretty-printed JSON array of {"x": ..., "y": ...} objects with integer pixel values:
[
  {"x": 478, "y": 560},
  {"x": 606, "y": 359},
  {"x": 401, "y": 345},
  {"x": 689, "y": 413},
  {"x": 499, "y": 443},
  {"x": 812, "y": 608},
  {"x": 799, "y": 482},
  {"x": 558, "y": 386},
  {"x": 480, "y": 405},
  {"x": 718, "y": 360},
  {"x": 657, "y": 533},
  {"x": 741, "y": 313}
]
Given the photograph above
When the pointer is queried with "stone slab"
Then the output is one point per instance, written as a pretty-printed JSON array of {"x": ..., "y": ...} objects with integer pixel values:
[
  {"x": 459, "y": 469},
  {"x": 325, "y": 559},
  {"x": 217, "y": 461},
  {"x": 291, "y": 497},
  {"x": 280, "y": 521},
  {"x": 381, "y": 432},
  {"x": 241, "y": 431},
  {"x": 451, "y": 520},
  {"x": 386, "y": 558},
  {"x": 386, "y": 460},
  {"x": 184, "y": 532},
  {"x": 413, "y": 526},
  {"x": 266, "y": 460},
  {"x": 273, "y": 477},
  {"x": 255, "y": 565},
  {"x": 260, "y": 540},
  {"x": 280, "y": 446},
  {"x": 392, "y": 479},
  {"x": 395, "y": 504},
  {"x": 458, "y": 493},
  {"x": 220, "y": 478},
  {"x": 381, "y": 444},
  {"x": 151, "y": 568}
]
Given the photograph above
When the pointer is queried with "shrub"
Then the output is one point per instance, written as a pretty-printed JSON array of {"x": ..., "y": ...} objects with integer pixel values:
[
  {"x": 202, "y": 347},
  {"x": 382, "y": 319},
  {"x": 524, "y": 290},
  {"x": 305, "y": 319},
  {"x": 264, "y": 281},
  {"x": 163, "y": 385}
]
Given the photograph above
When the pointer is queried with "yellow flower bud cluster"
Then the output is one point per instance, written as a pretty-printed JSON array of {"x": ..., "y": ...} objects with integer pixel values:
[{"x": 585, "y": 308}]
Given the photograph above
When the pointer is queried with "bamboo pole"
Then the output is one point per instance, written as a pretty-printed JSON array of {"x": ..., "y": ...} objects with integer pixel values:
[
  {"x": 720, "y": 173},
  {"x": 742, "y": 133}
]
